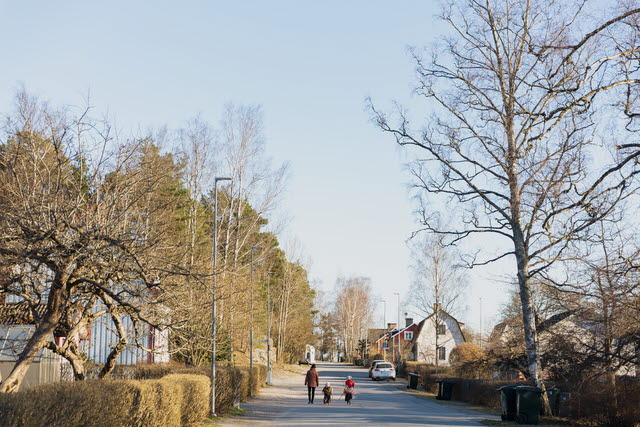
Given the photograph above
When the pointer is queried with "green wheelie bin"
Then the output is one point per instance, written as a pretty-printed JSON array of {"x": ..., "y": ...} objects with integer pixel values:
[
  {"x": 413, "y": 380},
  {"x": 444, "y": 390},
  {"x": 553, "y": 394},
  {"x": 528, "y": 404},
  {"x": 508, "y": 402}
]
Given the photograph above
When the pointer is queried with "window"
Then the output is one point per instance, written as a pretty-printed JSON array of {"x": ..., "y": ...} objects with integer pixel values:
[
  {"x": 408, "y": 336},
  {"x": 441, "y": 329},
  {"x": 442, "y": 353}
]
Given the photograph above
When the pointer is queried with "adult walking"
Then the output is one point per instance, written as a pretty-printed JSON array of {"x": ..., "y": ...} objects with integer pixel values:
[{"x": 311, "y": 381}]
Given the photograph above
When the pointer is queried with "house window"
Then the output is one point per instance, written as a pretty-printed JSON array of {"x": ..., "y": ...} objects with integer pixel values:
[
  {"x": 408, "y": 336},
  {"x": 442, "y": 353},
  {"x": 442, "y": 329}
]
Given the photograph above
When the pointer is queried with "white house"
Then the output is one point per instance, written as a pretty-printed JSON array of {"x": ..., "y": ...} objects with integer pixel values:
[{"x": 435, "y": 341}]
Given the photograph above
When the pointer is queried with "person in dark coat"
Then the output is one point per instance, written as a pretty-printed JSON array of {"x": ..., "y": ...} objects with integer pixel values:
[{"x": 311, "y": 381}]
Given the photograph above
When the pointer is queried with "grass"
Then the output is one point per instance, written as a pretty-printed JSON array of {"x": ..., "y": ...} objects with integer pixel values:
[{"x": 233, "y": 412}]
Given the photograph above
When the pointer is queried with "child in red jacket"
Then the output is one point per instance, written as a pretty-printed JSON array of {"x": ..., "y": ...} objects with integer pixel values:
[{"x": 349, "y": 390}]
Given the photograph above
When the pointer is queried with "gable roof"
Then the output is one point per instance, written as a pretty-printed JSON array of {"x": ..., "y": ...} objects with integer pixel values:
[{"x": 421, "y": 324}]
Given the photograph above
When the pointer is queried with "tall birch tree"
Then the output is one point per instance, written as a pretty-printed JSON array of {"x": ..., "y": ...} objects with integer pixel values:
[{"x": 516, "y": 89}]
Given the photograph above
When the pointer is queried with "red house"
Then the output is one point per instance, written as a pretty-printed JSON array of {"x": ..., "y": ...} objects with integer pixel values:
[{"x": 387, "y": 343}]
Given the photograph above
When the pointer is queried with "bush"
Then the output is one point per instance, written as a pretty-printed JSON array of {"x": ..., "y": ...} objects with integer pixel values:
[
  {"x": 469, "y": 361},
  {"x": 174, "y": 400},
  {"x": 376, "y": 356},
  {"x": 597, "y": 403},
  {"x": 166, "y": 395}
]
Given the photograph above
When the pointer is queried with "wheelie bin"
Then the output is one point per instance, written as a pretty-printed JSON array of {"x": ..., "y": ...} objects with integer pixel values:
[
  {"x": 508, "y": 402},
  {"x": 444, "y": 390},
  {"x": 528, "y": 404},
  {"x": 413, "y": 380},
  {"x": 553, "y": 394}
]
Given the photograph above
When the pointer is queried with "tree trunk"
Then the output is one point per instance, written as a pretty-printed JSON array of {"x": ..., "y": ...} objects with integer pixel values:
[{"x": 38, "y": 340}]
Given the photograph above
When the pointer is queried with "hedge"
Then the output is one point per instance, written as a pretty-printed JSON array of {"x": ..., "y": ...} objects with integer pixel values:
[
  {"x": 163, "y": 395},
  {"x": 174, "y": 400}
]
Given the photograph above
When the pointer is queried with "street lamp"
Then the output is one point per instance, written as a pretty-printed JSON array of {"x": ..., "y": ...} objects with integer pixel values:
[
  {"x": 269, "y": 327},
  {"x": 214, "y": 297},
  {"x": 251, "y": 319},
  {"x": 398, "y": 333}
]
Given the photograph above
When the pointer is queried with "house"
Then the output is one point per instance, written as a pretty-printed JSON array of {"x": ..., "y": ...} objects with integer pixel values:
[
  {"x": 570, "y": 329},
  {"x": 435, "y": 337},
  {"x": 16, "y": 326},
  {"x": 388, "y": 343},
  {"x": 96, "y": 341}
]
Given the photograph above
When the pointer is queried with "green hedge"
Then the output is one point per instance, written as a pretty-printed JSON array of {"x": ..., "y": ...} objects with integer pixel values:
[{"x": 174, "y": 400}]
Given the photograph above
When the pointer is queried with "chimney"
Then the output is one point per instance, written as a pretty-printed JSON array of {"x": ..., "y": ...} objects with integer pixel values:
[
  {"x": 391, "y": 326},
  {"x": 408, "y": 321}
]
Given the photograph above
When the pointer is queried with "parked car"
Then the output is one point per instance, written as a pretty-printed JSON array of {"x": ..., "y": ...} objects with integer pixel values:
[
  {"x": 383, "y": 371},
  {"x": 373, "y": 365}
]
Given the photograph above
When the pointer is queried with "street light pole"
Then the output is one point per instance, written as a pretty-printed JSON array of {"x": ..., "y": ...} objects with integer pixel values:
[
  {"x": 398, "y": 333},
  {"x": 269, "y": 327},
  {"x": 214, "y": 296},
  {"x": 251, "y": 319}
]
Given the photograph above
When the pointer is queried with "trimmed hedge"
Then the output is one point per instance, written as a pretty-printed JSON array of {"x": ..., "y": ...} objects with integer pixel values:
[
  {"x": 165, "y": 395},
  {"x": 174, "y": 400}
]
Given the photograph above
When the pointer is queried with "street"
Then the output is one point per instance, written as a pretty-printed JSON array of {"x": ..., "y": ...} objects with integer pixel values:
[{"x": 376, "y": 403}]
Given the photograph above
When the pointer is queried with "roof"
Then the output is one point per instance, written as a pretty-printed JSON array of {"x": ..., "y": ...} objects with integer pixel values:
[
  {"x": 421, "y": 324},
  {"x": 13, "y": 314},
  {"x": 401, "y": 330},
  {"x": 19, "y": 313}
]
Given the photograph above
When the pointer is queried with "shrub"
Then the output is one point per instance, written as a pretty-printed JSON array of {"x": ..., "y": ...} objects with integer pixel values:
[
  {"x": 175, "y": 400},
  {"x": 376, "y": 356},
  {"x": 469, "y": 361}
]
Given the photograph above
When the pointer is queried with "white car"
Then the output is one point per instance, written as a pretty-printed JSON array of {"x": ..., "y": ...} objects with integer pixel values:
[
  {"x": 373, "y": 365},
  {"x": 383, "y": 371}
]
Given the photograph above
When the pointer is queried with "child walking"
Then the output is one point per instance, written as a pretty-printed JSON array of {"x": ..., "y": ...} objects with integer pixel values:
[
  {"x": 327, "y": 390},
  {"x": 349, "y": 390}
]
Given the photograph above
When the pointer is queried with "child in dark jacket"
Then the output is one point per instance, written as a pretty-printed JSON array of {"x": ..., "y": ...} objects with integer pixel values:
[{"x": 327, "y": 390}]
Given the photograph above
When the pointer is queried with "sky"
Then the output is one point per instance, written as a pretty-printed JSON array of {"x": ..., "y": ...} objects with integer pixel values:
[{"x": 311, "y": 65}]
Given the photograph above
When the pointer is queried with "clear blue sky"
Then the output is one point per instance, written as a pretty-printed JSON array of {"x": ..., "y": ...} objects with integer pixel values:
[{"x": 309, "y": 64}]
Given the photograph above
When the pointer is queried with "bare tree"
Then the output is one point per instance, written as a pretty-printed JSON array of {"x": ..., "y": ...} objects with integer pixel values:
[
  {"x": 353, "y": 311},
  {"x": 515, "y": 92},
  {"x": 439, "y": 282},
  {"x": 77, "y": 226}
]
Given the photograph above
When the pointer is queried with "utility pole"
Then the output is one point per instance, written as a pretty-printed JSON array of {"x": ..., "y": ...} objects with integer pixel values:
[
  {"x": 214, "y": 296},
  {"x": 269, "y": 327}
]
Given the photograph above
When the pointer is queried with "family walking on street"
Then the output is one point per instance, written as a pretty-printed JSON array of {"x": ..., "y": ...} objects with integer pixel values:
[{"x": 312, "y": 379}]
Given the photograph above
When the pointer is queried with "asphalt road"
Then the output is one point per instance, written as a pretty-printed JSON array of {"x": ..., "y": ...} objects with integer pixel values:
[{"x": 376, "y": 403}]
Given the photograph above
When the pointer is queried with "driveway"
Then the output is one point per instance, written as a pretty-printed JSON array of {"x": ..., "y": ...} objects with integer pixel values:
[{"x": 376, "y": 403}]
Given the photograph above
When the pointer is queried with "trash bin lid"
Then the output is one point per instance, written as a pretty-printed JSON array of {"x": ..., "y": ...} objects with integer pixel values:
[
  {"x": 413, "y": 374},
  {"x": 528, "y": 388},
  {"x": 507, "y": 387}
]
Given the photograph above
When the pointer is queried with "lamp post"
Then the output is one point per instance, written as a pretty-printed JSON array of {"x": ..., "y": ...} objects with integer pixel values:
[
  {"x": 214, "y": 297},
  {"x": 398, "y": 333},
  {"x": 480, "y": 322},
  {"x": 269, "y": 327},
  {"x": 251, "y": 319}
]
